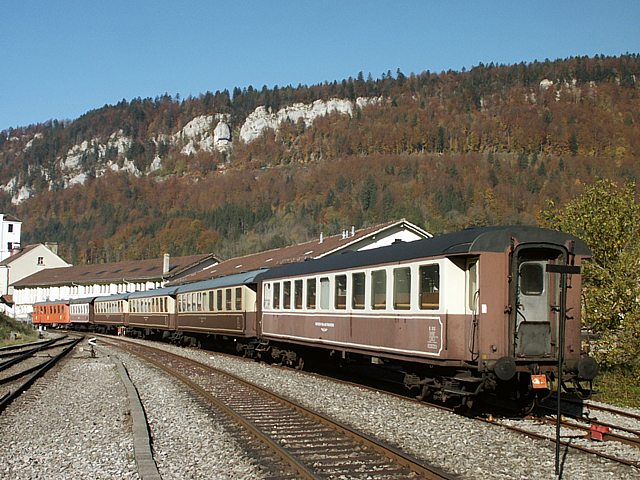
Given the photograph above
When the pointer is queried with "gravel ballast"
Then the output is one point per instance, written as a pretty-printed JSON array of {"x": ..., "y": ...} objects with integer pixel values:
[
  {"x": 74, "y": 423},
  {"x": 77, "y": 425}
]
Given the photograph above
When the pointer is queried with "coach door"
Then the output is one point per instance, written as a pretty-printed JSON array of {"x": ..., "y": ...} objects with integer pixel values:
[{"x": 536, "y": 296}]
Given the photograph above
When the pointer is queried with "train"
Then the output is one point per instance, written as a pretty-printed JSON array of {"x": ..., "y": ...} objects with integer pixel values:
[{"x": 475, "y": 313}]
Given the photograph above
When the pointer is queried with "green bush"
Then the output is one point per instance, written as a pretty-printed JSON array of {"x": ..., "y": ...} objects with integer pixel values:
[
  {"x": 618, "y": 386},
  {"x": 8, "y": 325}
]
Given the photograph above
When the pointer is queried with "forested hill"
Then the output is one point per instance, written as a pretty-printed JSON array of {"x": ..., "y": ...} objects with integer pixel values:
[{"x": 237, "y": 172}]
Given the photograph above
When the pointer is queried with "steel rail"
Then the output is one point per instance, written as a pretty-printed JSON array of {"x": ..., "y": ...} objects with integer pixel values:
[
  {"x": 8, "y": 398},
  {"x": 629, "y": 463},
  {"x": 390, "y": 452}
]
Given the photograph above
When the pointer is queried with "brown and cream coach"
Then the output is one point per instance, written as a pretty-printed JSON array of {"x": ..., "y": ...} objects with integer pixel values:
[{"x": 477, "y": 311}]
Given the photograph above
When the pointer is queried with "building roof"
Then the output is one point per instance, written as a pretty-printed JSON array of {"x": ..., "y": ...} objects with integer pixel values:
[
  {"x": 21, "y": 253},
  {"x": 470, "y": 241},
  {"x": 131, "y": 271},
  {"x": 11, "y": 218},
  {"x": 294, "y": 253}
]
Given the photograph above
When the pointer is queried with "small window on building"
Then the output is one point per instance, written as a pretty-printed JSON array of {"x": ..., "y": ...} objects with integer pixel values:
[{"x": 10, "y": 226}]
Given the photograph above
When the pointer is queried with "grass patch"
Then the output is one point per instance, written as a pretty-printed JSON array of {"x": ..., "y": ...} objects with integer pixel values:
[
  {"x": 8, "y": 325},
  {"x": 618, "y": 386}
]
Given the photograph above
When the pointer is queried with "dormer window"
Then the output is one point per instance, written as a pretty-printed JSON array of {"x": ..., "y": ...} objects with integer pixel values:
[{"x": 40, "y": 260}]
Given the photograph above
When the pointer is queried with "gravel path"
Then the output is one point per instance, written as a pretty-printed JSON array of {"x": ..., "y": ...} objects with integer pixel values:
[
  {"x": 72, "y": 424},
  {"x": 83, "y": 429},
  {"x": 188, "y": 441}
]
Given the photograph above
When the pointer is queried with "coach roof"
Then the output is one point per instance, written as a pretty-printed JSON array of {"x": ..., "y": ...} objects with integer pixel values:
[
  {"x": 472, "y": 240},
  {"x": 228, "y": 281}
]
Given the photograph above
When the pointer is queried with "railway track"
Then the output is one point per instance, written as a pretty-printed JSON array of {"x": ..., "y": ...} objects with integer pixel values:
[
  {"x": 310, "y": 444},
  {"x": 10, "y": 350},
  {"x": 20, "y": 368},
  {"x": 579, "y": 427}
]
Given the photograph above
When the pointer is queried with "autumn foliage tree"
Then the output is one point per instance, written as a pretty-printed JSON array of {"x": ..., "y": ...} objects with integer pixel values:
[{"x": 607, "y": 216}]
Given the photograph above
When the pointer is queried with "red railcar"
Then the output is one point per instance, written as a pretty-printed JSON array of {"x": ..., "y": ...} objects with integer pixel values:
[{"x": 51, "y": 313}]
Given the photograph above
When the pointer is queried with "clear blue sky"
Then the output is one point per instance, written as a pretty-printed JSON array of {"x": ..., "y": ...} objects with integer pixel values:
[{"x": 61, "y": 58}]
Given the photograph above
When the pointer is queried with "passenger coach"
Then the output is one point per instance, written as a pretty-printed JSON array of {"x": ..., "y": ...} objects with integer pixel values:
[
  {"x": 220, "y": 308},
  {"x": 53, "y": 313},
  {"x": 461, "y": 313},
  {"x": 111, "y": 312},
  {"x": 81, "y": 312}
]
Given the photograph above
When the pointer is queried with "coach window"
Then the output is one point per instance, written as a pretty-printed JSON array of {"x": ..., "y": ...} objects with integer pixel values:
[
  {"x": 359, "y": 286},
  {"x": 429, "y": 287},
  {"x": 311, "y": 293},
  {"x": 219, "y": 300},
  {"x": 238, "y": 298},
  {"x": 473, "y": 286},
  {"x": 200, "y": 299},
  {"x": 276, "y": 295},
  {"x": 324, "y": 293},
  {"x": 212, "y": 299},
  {"x": 286, "y": 295},
  {"x": 227, "y": 296},
  {"x": 379, "y": 289},
  {"x": 531, "y": 279},
  {"x": 297, "y": 294},
  {"x": 341, "y": 292},
  {"x": 402, "y": 288},
  {"x": 267, "y": 295}
]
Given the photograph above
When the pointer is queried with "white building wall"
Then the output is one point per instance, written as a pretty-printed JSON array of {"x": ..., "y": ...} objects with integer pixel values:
[
  {"x": 9, "y": 235},
  {"x": 36, "y": 259}
]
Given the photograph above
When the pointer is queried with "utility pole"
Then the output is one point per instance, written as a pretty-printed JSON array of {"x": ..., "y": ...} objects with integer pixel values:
[{"x": 563, "y": 270}]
